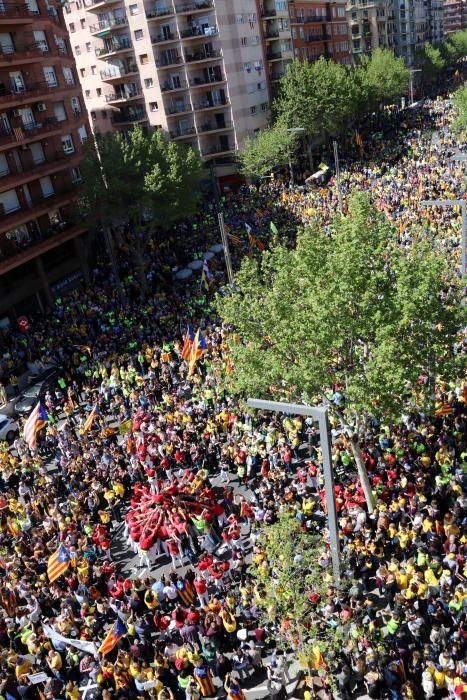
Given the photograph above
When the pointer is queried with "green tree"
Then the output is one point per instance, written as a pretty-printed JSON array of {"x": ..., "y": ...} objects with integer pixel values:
[
  {"x": 348, "y": 308},
  {"x": 429, "y": 58},
  {"x": 143, "y": 180},
  {"x": 270, "y": 149},
  {"x": 386, "y": 76},
  {"x": 454, "y": 48},
  {"x": 292, "y": 575},
  {"x": 460, "y": 103}
]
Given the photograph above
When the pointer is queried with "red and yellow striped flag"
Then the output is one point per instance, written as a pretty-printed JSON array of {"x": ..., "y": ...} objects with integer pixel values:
[
  {"x": 58, "y": 563},
  {"x": 115, "y": 633},
  {"x": 90, "y": 419}
]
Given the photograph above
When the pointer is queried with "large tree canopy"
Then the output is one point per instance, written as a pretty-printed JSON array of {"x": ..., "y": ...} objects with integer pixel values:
[{"x": 351, "y": 309}]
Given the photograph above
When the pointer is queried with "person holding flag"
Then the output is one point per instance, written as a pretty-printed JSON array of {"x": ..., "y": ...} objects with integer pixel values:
[
  {"x": 206, "y": 276},
  {"x": 200, "y": 347},
  {"x": 58, "y": 563},
  {"x": 188, "y": 343},
  {"x": 37, "y": 420},
  {"x": 90, "y": 419},
  {"x": 115, "y": 633}
]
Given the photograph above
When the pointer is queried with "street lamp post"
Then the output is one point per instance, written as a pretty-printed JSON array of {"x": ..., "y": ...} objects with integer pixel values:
[
  {"x": 320, "y": 414},
  {"x": 292, "y": 130},
  {"x": 453, "y": 203},
  {"x": 338, "y": 174}
]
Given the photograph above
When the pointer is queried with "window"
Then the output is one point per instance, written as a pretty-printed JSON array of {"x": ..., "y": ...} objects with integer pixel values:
[
  {"x": 247, "y": 66},
  {"x": 253, "y": 109},
  {"x": 262, "y": 85},
  {"x": 99, "y": 92},
  {"x": 72, "y": 27},
  {"x": 104, "y": 114},
  {"x": 76, "y": 176},
  {"x": 59, "y": 111},
  {"x": 294, "y": 33},
  {"x": 82, "y": 72},
  {"x": 143, "y": 59},
  {"x": 67, "y": 143},
  {"x": 343, "y": 28},
  {"x": 244, "y": 41},
  {"x": 88, "y": 47},
  {"x": 296, "y": 53},
  {"x": 76, "y": 105},
  {"x": 239, "y": 19},
  {"x": 153, "y": 106},
  {"x": 255, "y": 40},
  {"x": 68, "y": 75},
  {"x": 138, "y": 34},
  {"x": 302, "y": 33},
  {"x": 264, "y": 106},
  {"x": 148, "y": 82},
  {"x": 305, "y": 53},
  {"x": 94, "y": 70},
  {"x": 50, "y": 77},
  {"x": 87, "y": 94},
  {"x": 83, "y": 23},
  {"x": 93, "y": 115},
  {"x": 46, "y": 187},
  {"x": 281, "y": 5},
  {"x": 82, "y": 133},
  {"x": 341, "y": 11},
  {"x": 77, "y": 51},
  {"x": 134, "y": 10}
]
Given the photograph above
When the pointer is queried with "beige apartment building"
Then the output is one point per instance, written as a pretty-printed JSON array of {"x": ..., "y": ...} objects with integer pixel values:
[{"x": 196, "y": 70}]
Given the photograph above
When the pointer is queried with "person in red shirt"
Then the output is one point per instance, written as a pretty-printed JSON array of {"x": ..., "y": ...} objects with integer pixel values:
[{"x": 201, "y": 589}]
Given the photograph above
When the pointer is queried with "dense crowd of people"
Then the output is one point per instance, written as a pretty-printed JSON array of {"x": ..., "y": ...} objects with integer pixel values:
[{"x": 173, "y": 471}]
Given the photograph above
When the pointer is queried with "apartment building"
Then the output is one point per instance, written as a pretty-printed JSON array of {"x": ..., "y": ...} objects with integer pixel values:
[
  {"x": 455, "y": 16},
  {"x": 276, "y": 36},
  {"x": 372, "y": 25},
  {"x": 319, "y": 28},
  {"x": 42, "y": 129},
  {"x": 196, "y": 70}
]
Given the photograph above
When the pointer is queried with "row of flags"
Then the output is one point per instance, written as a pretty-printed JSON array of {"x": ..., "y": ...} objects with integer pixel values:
[
  {"x": 57, "y": 565},
  {"x": 39, "y": 418}
]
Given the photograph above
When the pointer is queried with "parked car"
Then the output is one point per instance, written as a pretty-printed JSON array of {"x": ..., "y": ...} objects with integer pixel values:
[
  {"x": 8, "y": 428},
  {"x": 47, "y": 381},
  {"x": 8, "y": 408}
]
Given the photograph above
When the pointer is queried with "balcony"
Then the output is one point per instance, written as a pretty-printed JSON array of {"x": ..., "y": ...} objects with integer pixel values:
[
  {"x": 274, "y": 55},
  {"x": 268, "y": 14},
  {"x": 198, "y": 32},
  {"x": 208, "y": 127},
  {"x": 212, "y": 80},
  {"x": 31, "y": 92},
  {"x": 209, "y": 104},
  {"x": 54, "y": 163},
  {"x": 178, "y": 109},
  {"x": 118, "y": 73},
  {"x": 135, "y": 118},
  {"x": 161, "y": 13},
  {"x": 170, "y": 87},
  {"x": 16, "y": 13},
  {"x": 167, "y": 61},
  {"x": 105, "y": 25},
  {"x": 183, "y": 133},
  {"x": 213, "y": 151},
  {"x": 124, "y": 96},
  {"x": 25, "y": 213},
  {"x": 164, "y": 38},
  {"x": 193, "y": 7},
  {"x": 98, "y": 5},
  {"x": 30, "y": 53},
  {"x": 55, "y": 236},
  {"x": 115, "y": 47},
  {"x": 272, "y": 34},
  {"x": 200, "y": 56}
]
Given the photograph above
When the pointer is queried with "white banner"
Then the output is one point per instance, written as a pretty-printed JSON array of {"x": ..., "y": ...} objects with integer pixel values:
[{"x": 88, "y": 647}]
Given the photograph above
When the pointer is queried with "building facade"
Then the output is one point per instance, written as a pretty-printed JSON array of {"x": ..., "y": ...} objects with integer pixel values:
[
  {"x": 455, "y": 16},
  {"x": 196, "y": 70},
  {"x": 43, "y": 126},
  {"x": 319, "y": 28}
]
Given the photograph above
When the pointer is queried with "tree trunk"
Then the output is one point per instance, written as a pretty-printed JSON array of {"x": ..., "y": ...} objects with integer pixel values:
[{"x": 362, "y": 473}]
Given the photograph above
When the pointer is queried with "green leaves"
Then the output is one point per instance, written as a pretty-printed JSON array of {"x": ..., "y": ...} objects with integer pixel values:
[
  {"x": 349, "y": 308},
  {"x": 269, "y": 150},
  {"x": 386, "y": 78},
  {"x": 460, "y": 101},
  {"x": 431, "y": 62}
]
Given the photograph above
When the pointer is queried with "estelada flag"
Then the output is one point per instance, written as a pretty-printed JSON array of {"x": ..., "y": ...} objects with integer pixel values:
[
  {"x": 90, "y": 419},
  {"x": 58, "y": 563},
  {"x": 115, "y": 633},
  {"x": 203, "y": 677},
  {"x": 198, "y": 349},
  {"x": 34, "y": 423},
  {"x": 188, "y": 343},
  {"x": 130, "y": 443}
]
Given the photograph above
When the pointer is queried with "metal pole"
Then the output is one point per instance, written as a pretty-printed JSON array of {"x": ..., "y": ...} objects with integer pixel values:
[
  {"x": 320, "y": 414},
  {"x": 225, "y": 243},
  {"x": 338, "y": 174},
  {"x": 411, "y": 87}
]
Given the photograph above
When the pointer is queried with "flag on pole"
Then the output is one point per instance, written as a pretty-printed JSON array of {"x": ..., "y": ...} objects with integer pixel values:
[
  {"x": 199, "y": 348},
  {"x": 58, "y": 563},
  {"x": 206, "y": 276},
  {"x": 90, "y": 419},
  {"x": 359, "y": 142},
  {"x": 115, "y": 633},
  {"x": 130, "y": 443},
  {"x": 34, "y": 423},
  {"x": 248, "y": 228},
  {"x": 188, "y": 343},
  {"x": 273, "y": 228}
]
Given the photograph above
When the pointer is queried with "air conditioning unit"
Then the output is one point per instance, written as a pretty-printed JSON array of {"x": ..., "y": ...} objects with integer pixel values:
[
  {"x": 16, "y": 113},
  {"x": 41, "y": 107}
]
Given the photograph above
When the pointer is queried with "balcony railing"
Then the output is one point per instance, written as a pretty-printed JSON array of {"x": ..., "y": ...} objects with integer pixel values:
[
  {"x": 198, "y": 82},
  {"x": 178, "y": 133},
  {"x": 118, "y": 72},
  {"x": 272, "y": 34},
  {"x": 161, "y": 12},
  {"x": 165, "y": 61},
  {"x": 128, "y": 118},
  {"x": 31, "y": 90},
  {"x": 167, "y": 87},
  {"x": 177, "y": 109},
  {"x": 193, "y": 6},
  {"x": 191, "y": 32},
  {"x": 268, "y": 13},
  {"x": 273, "y": 55},
  {"x": 217, "y": 149},
  {"x": 129, "y": 95},
  {"x": 117, "y": 45},
  {"x": 16, "y": 10},
  {"x": 210, "y": 104},
  {"x": 160, "y": 38},
  {"x": 206, "y": 128},
  {"x": 202, "y": 55},
  {"x": 56, "y": 198},
  {"x": 108, "y": 24}
]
